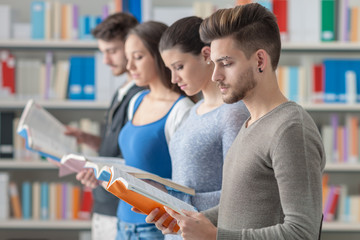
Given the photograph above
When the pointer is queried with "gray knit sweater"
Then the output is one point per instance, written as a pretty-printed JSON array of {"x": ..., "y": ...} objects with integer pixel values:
[
  {"x": 198, "y": 150},
  {"x": 272, "y": 179}
]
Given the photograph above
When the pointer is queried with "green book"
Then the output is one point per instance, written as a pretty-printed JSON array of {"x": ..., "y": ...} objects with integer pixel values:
[{"x": 327, "y": 20}]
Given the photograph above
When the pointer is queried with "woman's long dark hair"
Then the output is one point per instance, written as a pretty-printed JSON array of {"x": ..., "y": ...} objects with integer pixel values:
[{"x": 150, "y": 33}]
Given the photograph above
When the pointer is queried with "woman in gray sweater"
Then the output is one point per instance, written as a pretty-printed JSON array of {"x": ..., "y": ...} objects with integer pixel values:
[{"x": 199, "y": 146}]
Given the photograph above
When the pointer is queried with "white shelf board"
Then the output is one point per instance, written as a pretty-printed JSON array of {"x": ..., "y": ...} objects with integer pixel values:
[
  {"x": 54, "y": 104},
  {"x": 336, "y": 167},
  {"x": 62, "y": 44},
  {"x": 92, "y": 44},
  {"x": 321, "y": 46},
  {"x": 45, "y": 224},
  {"x": 20, "y": 164},
  {"x": 340, "y": 227},
  {"x": 322, "y": 107}
]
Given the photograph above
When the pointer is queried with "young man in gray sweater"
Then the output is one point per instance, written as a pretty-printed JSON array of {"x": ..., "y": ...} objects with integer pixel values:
[{"x": 271, "y": 185}]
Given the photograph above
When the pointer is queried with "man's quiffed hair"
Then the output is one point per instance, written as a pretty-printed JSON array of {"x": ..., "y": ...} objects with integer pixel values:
[
  {"x": 252, "y": 26},
  {"x": 115, "y": 27}
]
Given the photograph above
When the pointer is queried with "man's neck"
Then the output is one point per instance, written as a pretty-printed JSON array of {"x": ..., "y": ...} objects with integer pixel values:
[{"x": 264, "y": 99}]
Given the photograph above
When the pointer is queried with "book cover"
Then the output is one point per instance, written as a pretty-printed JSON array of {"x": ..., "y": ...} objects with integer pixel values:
[
  {"x": 48, "y": 18},
  {"x": 38, "y": 20},
  {"x": 5, "y": 21},
  {"x": 44, "y": 201},
  {"x": 327, "y": 20},
  {"x": 4, "y": 196},
  {"x": 333, "y": 204},
  {"x": 6, "y": 134},
  {"x": 36, "y": 200},
  {"x": 76, "y": 78},
  {"x": 89, "y": 78},
  {"x": 15, "y": 201},
  {"x": 280, "y": 10},
  {"x": 293, "y": 80},
  {"x": 72, "y": 163},
  {"x": 26, "y": 200},
  {"x": 335, "y": 125},
  {"x": 143, "y": 196},
  {"x": 43, "y": 133},
  {"x": 86, "y": 204},
  {"x": 7, "y": 71}
]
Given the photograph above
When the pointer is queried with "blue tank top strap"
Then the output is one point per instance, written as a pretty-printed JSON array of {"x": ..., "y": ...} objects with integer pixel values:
[{"x": 139, "y": 99}]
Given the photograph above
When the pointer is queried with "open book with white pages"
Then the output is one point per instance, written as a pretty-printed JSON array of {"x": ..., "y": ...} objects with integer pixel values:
[
  {"x": 143, "y": 196},
  {"x": 73, "y": 163},
  {"x": 44, "y": 133}
]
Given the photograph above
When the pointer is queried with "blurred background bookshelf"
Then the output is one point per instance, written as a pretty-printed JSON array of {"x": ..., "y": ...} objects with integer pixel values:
[{"x": 315, "y": 34}]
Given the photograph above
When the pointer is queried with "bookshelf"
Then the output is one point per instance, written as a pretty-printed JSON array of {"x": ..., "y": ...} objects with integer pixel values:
[
  {"x": 39, "y": 224},
  {"x": 299, "y": 53},
  {"x": 49, "y": 44}
]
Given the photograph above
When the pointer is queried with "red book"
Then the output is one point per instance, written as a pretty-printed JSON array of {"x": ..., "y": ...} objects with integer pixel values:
[
  {"x": 318, "y": 83},
  {"x": 8, "y": 71},
  {"x": 280, "y": 11},
  {"x": 333, "y": 204},
  {"x": 86, "y": 204}
]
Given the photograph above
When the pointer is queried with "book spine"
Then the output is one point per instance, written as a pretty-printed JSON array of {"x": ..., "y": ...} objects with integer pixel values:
[
  {"x": 38, "y": 19},
  {"x": 26, "y": 200},
  {"x": 4, "y": 195},
  {"x": 327, "y": 20},
  {"x": 15, "y": 200},
  {"x": 44, "y": 201},
  {"x": 36, "y": 200}
]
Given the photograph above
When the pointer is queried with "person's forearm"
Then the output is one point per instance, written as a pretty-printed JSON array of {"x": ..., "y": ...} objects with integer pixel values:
[{"x": 92, "y": 141}]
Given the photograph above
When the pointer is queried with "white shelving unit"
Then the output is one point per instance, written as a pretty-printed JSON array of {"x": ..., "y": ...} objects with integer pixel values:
[
  {"x": 50, "y": 44},
  {"x": 53, "y": 104},
  {"x": 302, "y": 53},
  {"x": 41, "y": 224}
]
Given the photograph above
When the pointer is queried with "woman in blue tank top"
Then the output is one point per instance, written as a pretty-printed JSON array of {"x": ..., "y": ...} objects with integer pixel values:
[
  {"x": 199, "y": 146},
  {"x": 156, "y": 114}
]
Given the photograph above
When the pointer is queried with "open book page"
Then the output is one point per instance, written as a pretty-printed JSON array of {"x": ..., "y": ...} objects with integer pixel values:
[
  {"x": 73, "y": 163},
  {"x": 147, "y": 190},
  {"x": 144, "y": 196},
  {"x": 44, "y": 133}
]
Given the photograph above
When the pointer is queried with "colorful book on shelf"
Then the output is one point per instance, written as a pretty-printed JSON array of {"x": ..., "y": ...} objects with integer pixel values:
[
  {"x": 6, "y": 135},
  {"x": 72, "y": 163},
  {"x": 144, "y": 196},
  {"x": 4, "y": 195},
  {"x": 38, "y": 20},
  {"x": 15, "y": 201},
  {"x": 328, "y": 20},
  {"x": 43, "y": 133}
]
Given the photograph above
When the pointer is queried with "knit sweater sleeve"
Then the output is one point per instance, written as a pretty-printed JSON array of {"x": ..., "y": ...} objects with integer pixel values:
[
  {"x": 212, "y": 214},
  {"x": 297, "y": 163}
]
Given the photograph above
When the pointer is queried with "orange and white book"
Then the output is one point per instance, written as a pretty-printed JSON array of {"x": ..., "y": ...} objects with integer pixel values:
[
  {"x": 72, "y": 163},
  {"x": 144, "y": 196}
]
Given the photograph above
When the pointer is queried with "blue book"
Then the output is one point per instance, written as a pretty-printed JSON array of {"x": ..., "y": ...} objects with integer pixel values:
[
  {"x": 335, "y": 78},
  {"x": 126, "y": 6},
  {"x": 89, "y": 78},
  {"x": 294, "y": 83},
  {"x": 266, "y": 3},
  {"x": 332, "y": 81},
  {"x": 26, "y": 200},
  {"x": 135, "y": 9},
  {"x": 38, "y": 20},
  {"x": 82, "y": 27},
  {"x": 75, "y": 87},
  {"x": 44, "y": 201},
  {"x": 85, "y": 27}
]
